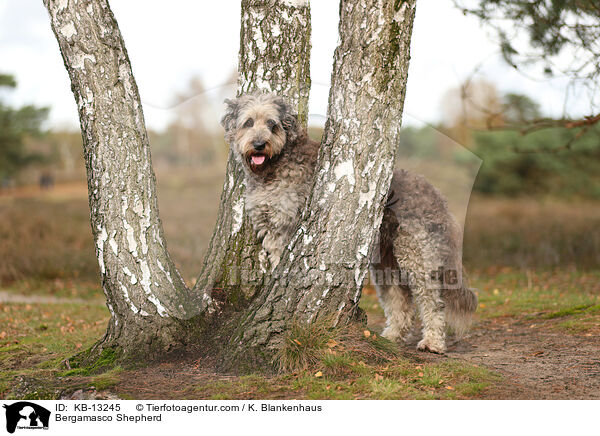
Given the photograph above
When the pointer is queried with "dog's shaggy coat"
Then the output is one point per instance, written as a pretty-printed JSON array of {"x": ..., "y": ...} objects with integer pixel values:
[{"x": 418, "y": 236}]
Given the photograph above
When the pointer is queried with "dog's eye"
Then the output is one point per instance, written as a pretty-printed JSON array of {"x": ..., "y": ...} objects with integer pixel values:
[
  {"x": 249, "y": 123},
  {"x": 271, "y": 124}
]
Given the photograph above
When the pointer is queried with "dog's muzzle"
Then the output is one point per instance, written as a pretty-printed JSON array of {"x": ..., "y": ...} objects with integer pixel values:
[
  {"x": 258, "y": 158},
  {"x": 259, "y": 145}
]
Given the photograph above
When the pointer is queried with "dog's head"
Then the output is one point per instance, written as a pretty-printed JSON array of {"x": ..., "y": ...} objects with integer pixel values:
[{"x": 258, "y": 126}]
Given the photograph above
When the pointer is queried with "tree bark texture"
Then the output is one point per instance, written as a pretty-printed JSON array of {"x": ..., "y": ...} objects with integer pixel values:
[
  {"x": 321, "y": 276},
  {"x": 151, "y": 308},
  {"x": 274, "y": 56},
  {"x": 275, "y": 50},
  {"x": 146, "y": 296}
]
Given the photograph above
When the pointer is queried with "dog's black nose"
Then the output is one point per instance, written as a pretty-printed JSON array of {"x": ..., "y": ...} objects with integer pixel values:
[{"x": 259, "y": 145}]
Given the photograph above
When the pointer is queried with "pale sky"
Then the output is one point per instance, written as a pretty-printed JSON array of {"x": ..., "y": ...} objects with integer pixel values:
[{"x": 170, "y": 44}]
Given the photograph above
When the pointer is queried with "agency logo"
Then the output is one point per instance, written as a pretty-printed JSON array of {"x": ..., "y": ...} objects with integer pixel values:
[{"x": 26, "y": 415}]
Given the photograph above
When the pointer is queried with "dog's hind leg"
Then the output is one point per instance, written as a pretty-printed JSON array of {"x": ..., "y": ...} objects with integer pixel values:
[
  {"x": 398, "y": 307},
  {"x": 399, "y": 312},
  {"x": 432, "y": 314}
]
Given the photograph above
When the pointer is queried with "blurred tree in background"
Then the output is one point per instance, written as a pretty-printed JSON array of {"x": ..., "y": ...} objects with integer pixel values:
[
  {"x": 15, "y": 125},
  {"x": 474, "y": 105},
  {"x": 562, "y": 37},
  {"x": 557, "y": 161},
  {"x": 538, "y": 163},
  {"x": 193, "y": 139},
  {"x": 519, "y": 108}
]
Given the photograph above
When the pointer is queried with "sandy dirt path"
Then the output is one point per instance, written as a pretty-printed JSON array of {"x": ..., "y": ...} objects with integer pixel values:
[{"x": 535, "y": 360}]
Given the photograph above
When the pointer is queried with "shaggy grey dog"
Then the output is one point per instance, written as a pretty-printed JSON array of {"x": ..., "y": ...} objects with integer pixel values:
[
  {"x": 278, "y": 160},
  {"x": 417, "y": 264}
]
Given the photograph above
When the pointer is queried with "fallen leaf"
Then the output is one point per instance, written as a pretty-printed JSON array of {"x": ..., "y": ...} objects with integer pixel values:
[
  {"x": 367, "y": 333},
  {"x": 3, "y": 335},
  {"x": 378, "y": 376},
  {"x": 420, "y": 374},
  {"x": 450, "y": 388},
  {"x": 327, "y": 387},
  {"x": 318, "y": 374},
  {"x": 331, "y": 343}
]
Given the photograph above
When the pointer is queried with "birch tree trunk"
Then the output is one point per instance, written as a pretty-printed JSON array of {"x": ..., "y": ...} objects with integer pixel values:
[
  {"x": 274, "y": 56},
  {"x": 152, "y": 311},
  {"x": 148, "y": 300},
  {"x": 321, "y": 277}
]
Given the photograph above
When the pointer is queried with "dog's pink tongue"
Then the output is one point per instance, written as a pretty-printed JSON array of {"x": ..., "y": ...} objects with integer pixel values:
[{"x": 258, "y": 159}]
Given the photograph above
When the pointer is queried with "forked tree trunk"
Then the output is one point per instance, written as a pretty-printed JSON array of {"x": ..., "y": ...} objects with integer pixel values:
[
  {"x": 321, "y": 276},
  {"x": 151, "y": 308}
]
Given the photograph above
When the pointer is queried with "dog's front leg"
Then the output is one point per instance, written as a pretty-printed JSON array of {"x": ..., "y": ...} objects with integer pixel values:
[{"x": 273, "y": 243}]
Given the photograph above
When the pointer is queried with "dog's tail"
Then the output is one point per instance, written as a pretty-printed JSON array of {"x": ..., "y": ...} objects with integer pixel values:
[{"x": 461, "y": 303}]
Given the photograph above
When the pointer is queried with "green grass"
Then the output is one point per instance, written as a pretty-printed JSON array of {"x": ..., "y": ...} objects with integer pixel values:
[
  {"x": 52, "y": 330},
  {"x": 316, "y": 362},
  {"x": 108, "y": 379},
  {"x": 36, "y": 339},
  {"x": 352, "y": 362},
  {"x": 571, "y": 297},
  {"x": 577, "y": 310},
  {"x": 399, "y": 378},
  {"x": 341, "y": 363},
  {"x": 550, "y": 294}
]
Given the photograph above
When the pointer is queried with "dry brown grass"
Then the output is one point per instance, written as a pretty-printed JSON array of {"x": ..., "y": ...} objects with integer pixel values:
[
  {"x": 46, "y": 235},
  {"x": 45, "y": 239},
  {"x": 527, "y": 233}
]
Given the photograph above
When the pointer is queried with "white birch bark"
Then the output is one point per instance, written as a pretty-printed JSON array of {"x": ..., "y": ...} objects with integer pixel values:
[{"x": 321, "y": 276}]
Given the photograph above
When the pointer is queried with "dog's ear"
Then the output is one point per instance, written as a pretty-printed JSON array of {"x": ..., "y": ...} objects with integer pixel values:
[
  {"x": 229, "y": 120},
  {"x": 290, "y": 125},
  {"x": 289, "y": 119}
]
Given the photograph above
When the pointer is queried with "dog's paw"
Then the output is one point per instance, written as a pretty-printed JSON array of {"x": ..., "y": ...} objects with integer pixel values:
[{"x": 432, "y": 345}]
